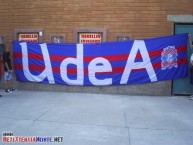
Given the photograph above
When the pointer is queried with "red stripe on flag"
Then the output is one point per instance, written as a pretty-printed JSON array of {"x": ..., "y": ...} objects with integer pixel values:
[
  {"x": 120, "y": 57},
  {"x": 115, "y": 70}
]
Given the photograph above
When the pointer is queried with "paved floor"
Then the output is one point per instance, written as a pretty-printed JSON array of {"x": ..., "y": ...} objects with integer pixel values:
[{"x": 94, "y": 119}]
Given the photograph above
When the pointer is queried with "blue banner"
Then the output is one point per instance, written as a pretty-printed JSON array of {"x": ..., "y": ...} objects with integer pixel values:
[{"x": 109, "y": 63}]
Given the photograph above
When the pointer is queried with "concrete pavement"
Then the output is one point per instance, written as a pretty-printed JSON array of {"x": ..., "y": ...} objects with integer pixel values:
[{"x": 96, "y": 119}]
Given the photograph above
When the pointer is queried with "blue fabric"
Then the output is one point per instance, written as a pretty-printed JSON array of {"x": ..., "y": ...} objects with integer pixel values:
[{"x": 167, "y": 55}]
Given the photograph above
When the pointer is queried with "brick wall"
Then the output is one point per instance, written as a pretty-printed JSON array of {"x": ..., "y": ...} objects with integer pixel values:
[{"x": 141, "y": 18}]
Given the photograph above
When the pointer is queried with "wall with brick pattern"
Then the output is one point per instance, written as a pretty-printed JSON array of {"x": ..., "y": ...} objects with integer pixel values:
[{"x": 141, "y": 18}]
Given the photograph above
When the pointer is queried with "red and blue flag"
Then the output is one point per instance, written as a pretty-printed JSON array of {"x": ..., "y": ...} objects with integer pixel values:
[{"x": 109, "y": 63}]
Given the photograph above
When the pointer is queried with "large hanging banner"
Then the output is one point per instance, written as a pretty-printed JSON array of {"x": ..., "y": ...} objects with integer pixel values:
[{"x": 110, "y": 63}]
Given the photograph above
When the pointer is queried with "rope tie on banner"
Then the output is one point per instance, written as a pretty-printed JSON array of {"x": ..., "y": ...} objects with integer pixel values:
[{"x": 190, "y": 40}]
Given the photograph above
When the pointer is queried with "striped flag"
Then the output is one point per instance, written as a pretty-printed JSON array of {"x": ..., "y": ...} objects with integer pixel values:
[{"x": 109, "y": 63}]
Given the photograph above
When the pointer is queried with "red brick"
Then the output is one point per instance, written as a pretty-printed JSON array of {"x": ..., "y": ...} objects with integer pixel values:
[{"x": 142, "y": 18}]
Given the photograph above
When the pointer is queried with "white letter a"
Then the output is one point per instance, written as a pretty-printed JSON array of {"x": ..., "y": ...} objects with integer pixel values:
[{"x": 131, "y": 64}]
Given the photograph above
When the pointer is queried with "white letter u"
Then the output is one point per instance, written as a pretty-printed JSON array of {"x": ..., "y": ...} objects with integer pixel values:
[{"x": 48, "y": 68}]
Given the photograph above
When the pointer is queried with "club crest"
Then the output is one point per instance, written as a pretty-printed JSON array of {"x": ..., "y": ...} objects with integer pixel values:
[{"x": 169, "y": 58}]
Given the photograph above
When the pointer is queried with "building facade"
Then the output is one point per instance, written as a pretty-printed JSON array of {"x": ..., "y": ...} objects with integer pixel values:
[{"x": 136, "y": 19}]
